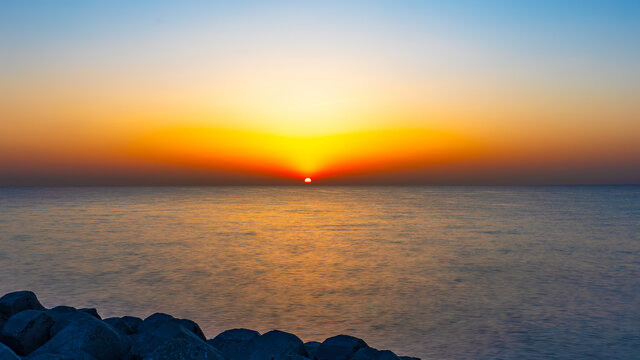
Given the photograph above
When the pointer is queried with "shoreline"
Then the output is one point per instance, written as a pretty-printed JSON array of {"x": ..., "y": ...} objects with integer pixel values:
[{"x": 30, "y": 331}]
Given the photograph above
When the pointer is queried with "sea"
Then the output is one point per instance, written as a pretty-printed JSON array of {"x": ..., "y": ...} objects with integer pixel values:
[{"x": 431, "y": 272}]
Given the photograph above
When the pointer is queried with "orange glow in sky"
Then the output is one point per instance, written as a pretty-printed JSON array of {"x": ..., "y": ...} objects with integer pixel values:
[
  {"x": 324, "y": 156},
  {"x": 343, "y": 93}
]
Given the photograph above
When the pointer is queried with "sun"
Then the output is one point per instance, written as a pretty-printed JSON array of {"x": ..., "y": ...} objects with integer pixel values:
[{"x": 307, "y": 180}]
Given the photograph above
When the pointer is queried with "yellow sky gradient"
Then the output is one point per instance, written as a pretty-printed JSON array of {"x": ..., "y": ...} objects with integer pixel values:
[{"x": 359, "y": 100}]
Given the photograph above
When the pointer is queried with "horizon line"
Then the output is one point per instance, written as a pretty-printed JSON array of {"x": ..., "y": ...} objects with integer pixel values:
[{"x": 314, "y": 185}]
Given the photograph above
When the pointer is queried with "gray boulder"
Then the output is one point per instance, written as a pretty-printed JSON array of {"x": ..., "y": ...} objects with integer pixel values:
[
  {"x": 83, "y": 337},
  {"x": 312, "y": 348},
  {"x": 13, "y": 303},
  {"x": 368, "y": 353},
  {"x": 7, "y": 354},
  {"x": 26, "y": 331},
  {"x": 232, "y": 343},
  {"x": 340, "y": 347},
  {"x": 165, "y": 329},
  {"x": 275, "y": 345}
]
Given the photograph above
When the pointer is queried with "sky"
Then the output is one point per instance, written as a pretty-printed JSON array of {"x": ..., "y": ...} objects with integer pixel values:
[{"x": 343, "y": 92}]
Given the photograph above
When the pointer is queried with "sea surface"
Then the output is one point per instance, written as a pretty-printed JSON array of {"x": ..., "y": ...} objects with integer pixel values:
[{"x": 434, "y": 272}]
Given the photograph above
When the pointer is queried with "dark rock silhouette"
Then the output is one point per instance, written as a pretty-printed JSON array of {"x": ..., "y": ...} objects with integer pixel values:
[
  {"x": 160, "y": 335},
  {"x": 182, "y": 349},
  {"x": 3, "y": 320},
  {"x": 341, "y": 347},
  {"x": 132, "y": 321},
  {"x": 13, "y": 303},
  {"x": 26, "y": 331},
  {"x": 66, "y": 333},
  {"x": 312, "y": 348},
  {"x": 84, "y": 337},
  {"x": 368, "y": 353},
  {"x": 50, "y": 357},
  {"x": 91, "y": 311},
  {"x": 7, "y": 354},
  {"x": 120, "y": 325},
  {"x": 232, "y": 343},
  {"x": 153, "y": 321},
  {"x": 63, "y": 316},
  {"x": 276, "y": 345}
]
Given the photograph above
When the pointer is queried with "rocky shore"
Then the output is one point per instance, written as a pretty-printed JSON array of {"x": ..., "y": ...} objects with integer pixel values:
[{"x": 29, "y": 331}]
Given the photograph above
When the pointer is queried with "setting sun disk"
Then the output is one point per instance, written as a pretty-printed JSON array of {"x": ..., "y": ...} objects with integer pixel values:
[{"x": 307, "y": 180}]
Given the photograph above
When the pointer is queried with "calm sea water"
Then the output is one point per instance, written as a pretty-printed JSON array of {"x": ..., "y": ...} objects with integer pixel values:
[{"x": 435, "y": 272}]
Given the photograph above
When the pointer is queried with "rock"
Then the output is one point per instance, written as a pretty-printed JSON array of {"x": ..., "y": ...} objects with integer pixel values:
[
  {"x": 65, "y": 315},
  {"x": 155, "y": 331},
  {"x": 155, "y": 320},
  {"x": 127, "y": 325},
  {"x": 7, "y": 354},
  {"x": 65, "y": 333},
  {"x": 132, "y": 321},
  {"x": 3, "y": 320},
  {"x": 13, "y": 303},
  {"x": 63, "y": 309},
  {"x": 312, "y": 348},
  {"x": 26, "y": 331},
  {"x": 275, "y": 345},
  {"x": 91, "y": 311},
  {"x": 231, "y": 343},
  {"x": 340, "y": 347},
  {"x": 368, "y": 353},
  {"x": 193, "y": 327},
  {"x": 49, "y": 356},
  {"x": 120, "y": 325},
  {"x": 83, "y": 337},
  {"x": 236, "y": 335},
  {"x": 181, "y": 349}
]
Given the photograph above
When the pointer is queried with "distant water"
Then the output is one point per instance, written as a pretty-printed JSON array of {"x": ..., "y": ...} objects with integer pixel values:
[{"x": 435, "y": 272}]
